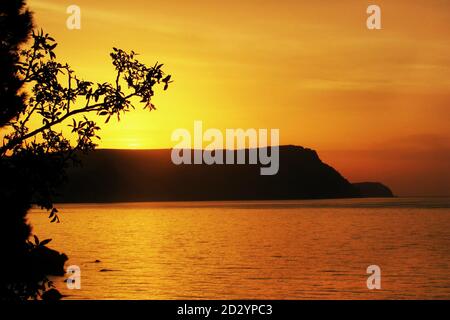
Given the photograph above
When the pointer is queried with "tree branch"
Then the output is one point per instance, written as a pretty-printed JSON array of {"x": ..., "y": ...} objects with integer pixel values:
[{"x": 14, "y": 142}]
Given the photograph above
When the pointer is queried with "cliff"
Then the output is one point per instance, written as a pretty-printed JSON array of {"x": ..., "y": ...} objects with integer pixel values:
[{"x": 150, "y": 175}]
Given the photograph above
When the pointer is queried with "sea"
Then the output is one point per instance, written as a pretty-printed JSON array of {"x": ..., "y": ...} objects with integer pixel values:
[{"x": 305, "y": 249}]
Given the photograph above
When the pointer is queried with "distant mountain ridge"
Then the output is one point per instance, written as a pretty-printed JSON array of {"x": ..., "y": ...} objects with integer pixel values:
[{"x": 149, "y": 175}]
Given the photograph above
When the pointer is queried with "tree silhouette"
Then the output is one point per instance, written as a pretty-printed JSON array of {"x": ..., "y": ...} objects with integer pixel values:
[
  {"x": 36, "y": 149},
  {"x": 15, "y": 26}
]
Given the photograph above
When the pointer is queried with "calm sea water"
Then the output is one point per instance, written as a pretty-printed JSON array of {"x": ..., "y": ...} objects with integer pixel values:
[{"x": 255, "y": 250}]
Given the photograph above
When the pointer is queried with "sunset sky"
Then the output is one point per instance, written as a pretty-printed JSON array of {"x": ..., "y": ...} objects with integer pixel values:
[{"x": 373, "y": 103}]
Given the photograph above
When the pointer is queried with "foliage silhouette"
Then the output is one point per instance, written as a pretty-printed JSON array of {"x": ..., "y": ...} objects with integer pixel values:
[
  {"x": 15, "y": 26},
  {"x": 35, "y": 150}
]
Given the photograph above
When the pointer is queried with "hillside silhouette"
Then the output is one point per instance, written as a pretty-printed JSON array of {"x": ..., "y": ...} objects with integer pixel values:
[
  {"x": 373, "y": 190},
  {"x": 150, "y": 175}
]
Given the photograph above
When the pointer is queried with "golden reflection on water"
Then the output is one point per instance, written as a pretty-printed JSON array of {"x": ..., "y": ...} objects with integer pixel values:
[{"x": 252, "y": 250}]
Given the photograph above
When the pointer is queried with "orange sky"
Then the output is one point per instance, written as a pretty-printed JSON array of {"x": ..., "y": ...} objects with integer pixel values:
[{"x": 374, "y": 103}]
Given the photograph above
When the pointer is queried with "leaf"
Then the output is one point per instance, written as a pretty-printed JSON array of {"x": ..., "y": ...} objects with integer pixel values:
[
  {"x": 36, "y": 240},
  {"x": 44, "y": 242},
  {"x": 52, "y": 212}
]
